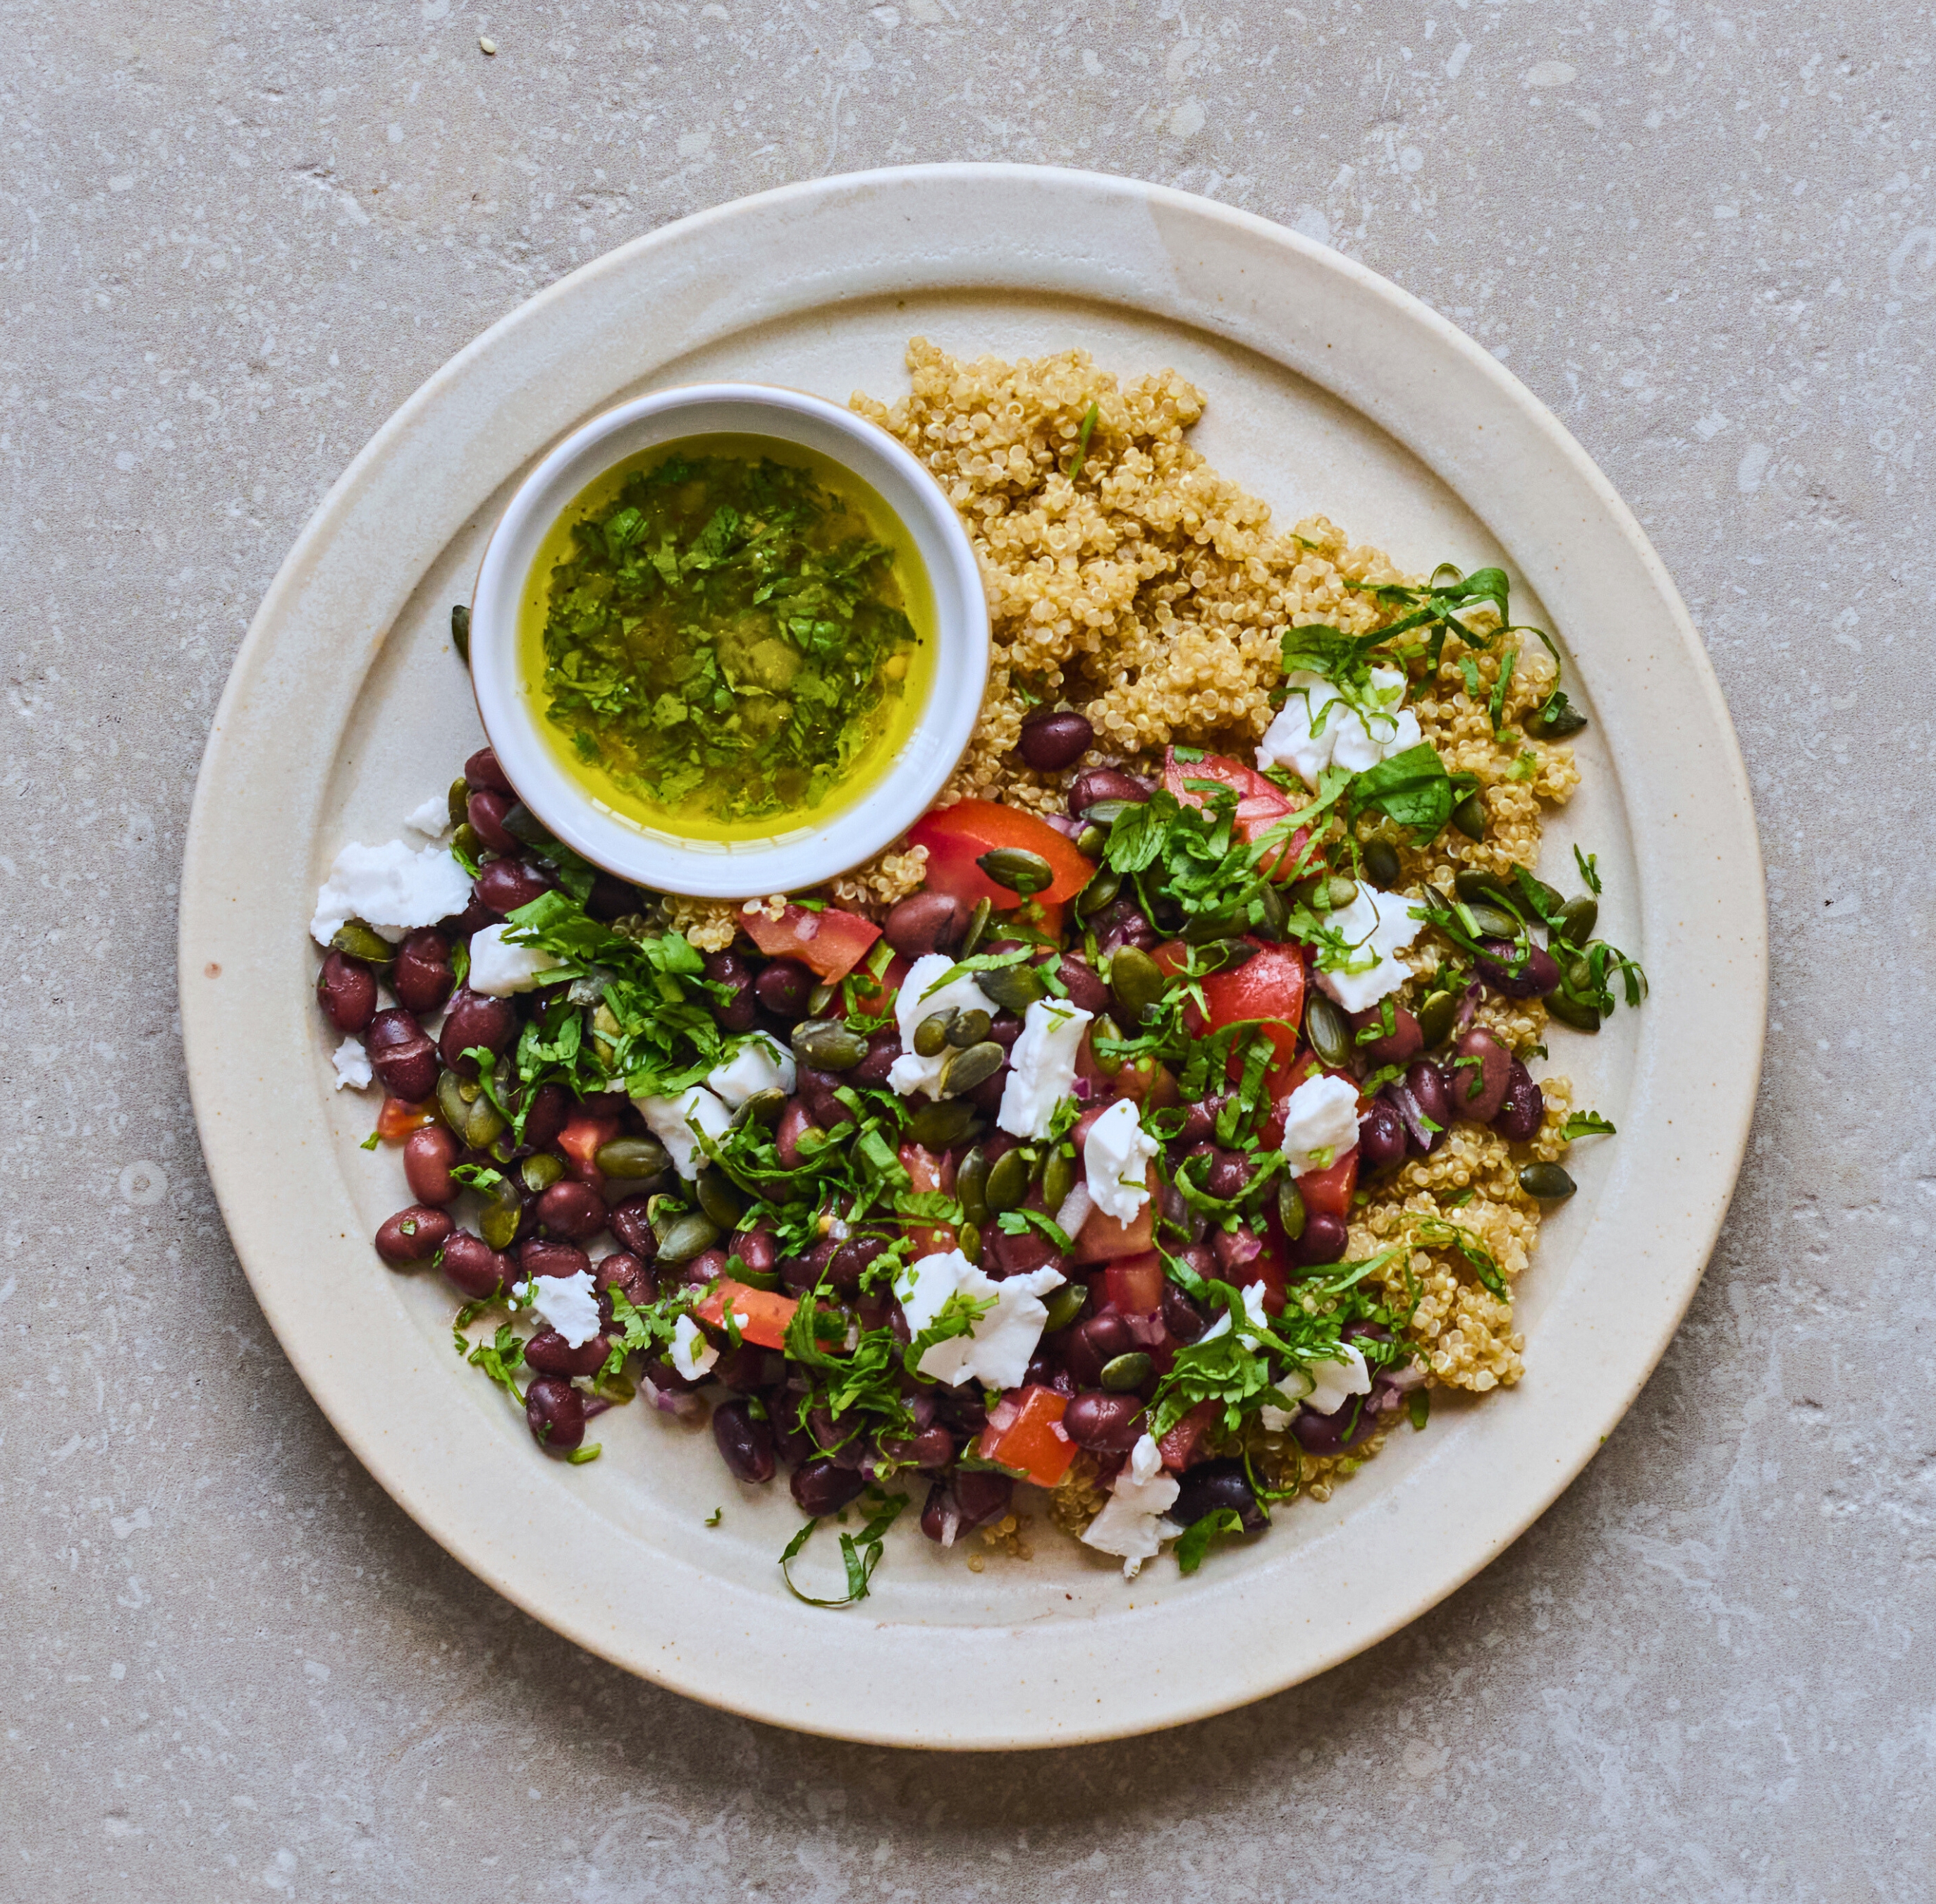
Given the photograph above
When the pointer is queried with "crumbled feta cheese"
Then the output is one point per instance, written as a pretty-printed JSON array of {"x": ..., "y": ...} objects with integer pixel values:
[
  {"x": 391, "y": 887},
  {"x": 352, "y": 1065},
  {"x": 1254, "y": 1308},
  {"x": 1042, "y": 1067},
  {"x": 761, "y": 1064},
  {"x": 1131, "y": 1525},
  {"x": 997, "y": 1352},
  {"x": 433, "y": 818},
  {"x": 1145, "y": 1459},
  {"x": 1116, "y": 1155},
  {"x": 671, "y": 1119},
  {"x": 1323, "y": 1387},
  {"x": 1320, "y": 1123},
  {"x": 910, "y": 1072},
  {"x": 692, "y": 1355},
  {"x": 569, "y": 1304},
  {"x": 1376, "y": 925},
  {"x": 1316, "y": 728},
  {"x": 498, "y": 969}
]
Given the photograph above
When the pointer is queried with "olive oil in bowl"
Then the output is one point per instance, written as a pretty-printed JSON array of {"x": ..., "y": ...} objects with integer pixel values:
[{"x": 726, "y": 638}]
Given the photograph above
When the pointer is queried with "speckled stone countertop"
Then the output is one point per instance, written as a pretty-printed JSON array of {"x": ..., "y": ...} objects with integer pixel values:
[{"x": 233, "y": 239}]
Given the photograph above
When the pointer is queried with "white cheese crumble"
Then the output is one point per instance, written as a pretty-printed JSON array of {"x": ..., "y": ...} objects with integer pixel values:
[
  {"x": 691, "y": 1354},
  {"x": 498, "y": 969},
  {"x": 996, "y": 1352},
  {"x": 391, "y": 887},
  {"x": 433, "y": 818},
  {"x": 671, "y": 1119},
  {"x": 1323, "y": 1387},
  {"x": 1116, "y": 1155},
  {"x": 1376, "y": 925},
  {"x": 1316, "y": 728},
  {"x": 761, "y": 1064},
  {"x": 1042, "y": 1067},
  {"x": 569, "y": 1304},
  {"x": 352, "y": 1065},
  {"x": 1131, "y": 1525},
  {"x": 1320, "y": 1123},
  {"x": 910, "y": 1072}
]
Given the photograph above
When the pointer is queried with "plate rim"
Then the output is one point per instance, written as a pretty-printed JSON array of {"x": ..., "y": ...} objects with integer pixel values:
[{"x": 210, "y": 917}]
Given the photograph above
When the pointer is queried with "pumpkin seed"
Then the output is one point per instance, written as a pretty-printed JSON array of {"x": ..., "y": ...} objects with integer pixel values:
[
  {"x": 1018, "y": 869},
  {"x": 467, "y": 845},
  {"x": 1492, "y": 921},
  {"x": 452, "y": 1105},
  {"x": 632, "y": 1158},
  {"x": 762, "y": 1108},
  {"x": 1554, "y": 720},
  {"x": 1470, "y": 883},
  {"x": 1577, "y": 918},
  {"x": 968, "y": 1241},
  {"x": 504, "y": 1210},
  {"x": 1547, "y": 1182},
  {"x": 935, "y": 1126},
  {"x": 1015, "y": 988},
  {"x": 356, "y": 940},
  {"x": 1381, "y": 865},
  {"x": 1106, "y": 813},
  {"x": 826, "y": 1044},
  {"x": 1290, "y": 1208},
  {"x": 1581, "y": 1015},
  {"x": 1008, "y": 1183},
  {"x": 719, "y": 1199},
  {"x": 1064, "y": 1307},
  {"x": 1136, "y": 982},
  {"x": 1123, "y": 1374},
  {"x": 978, "y": 929},
  {"x": 971, "y": 1185},
  {"x": 484, "y": 1123},
  {"x": 457, "y": 802},
  {"x": 540, "y": 1171},
  {"x": 1091, "y": 841},
  {"x": 1470, "y": 817},
  {"x": 686, "y": 1236},
  {"x": 1436, "y": 1017},
  {"x": 521, "y": 823},
  {"x": 818, "y": 999},
  {"x": 976, "y": 1065},
  {"x": 1099, "y": 892},
  {"x": 1058, "y": 1179},
  {"x": 930, "y": 1036},
  {"x": 1325, "y": 1026},
  {"x": 1108, "y": 1062},
  {"x": 969, "y": 1028}
]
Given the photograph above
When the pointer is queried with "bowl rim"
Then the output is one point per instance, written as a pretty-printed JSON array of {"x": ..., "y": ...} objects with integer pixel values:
[{"x": 806, "y": 855}]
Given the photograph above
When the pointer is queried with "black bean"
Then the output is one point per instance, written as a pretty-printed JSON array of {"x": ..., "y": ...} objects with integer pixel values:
[
  {"x": 401, "y": 1055},
  {"x": 1091, "y": 1343},
  {"x": 422, "y": 976},
  {"x": 736, "y": 1014},
  {"x": 1212, "y": 1484},
  {"x": 481, "y": 770},
  {"x": 1503, "y": 970},
  {"x": 1399, "y": 1046},
  {"x": 1086, "y": 988},
  {"x": 538, "y": 1256},
  {"x": 822, "y": 1486},
  {"x": 571, "y": 1209},
  {"x": 612, "y": 898},
  {"x": 1426, "y": 1083},
  {"x": 982, "y": 1496},
  {"x": 413, "y": 1235},
  {"x": 472, "y": 1268},
  {"x": 845, "y": 1266},
  {"x": 1380, "y": 1137},
  {"x": 1181, "y": 1316},
  {"x": 506, "y": 884},
  {"x": 630, "y": 1223},
  {"x": 932, "y": 1448},
  {"x": 428, "y": 1155},
  {"x": 745, "y": 1445},
  {"x": 475, "y": 1019},
  {"x": 884, "y": 1047},
  {"x": 1523, "y": 1110},
  {"x": 783, "y": 988},
  {"x": 625, "y": 1271},
  {"x": 1478, "y": 1076},
  {"x": 556, "y": 1411},
  {"x": 1123, "y": 923},
  {"x": 1051, "y": 742},
  {"x": 486, "y": 810},
  {"x": 1103, "y": 1423},
  {"x": 550, "y": 1354},
  {"x": 925, "y": 923},
  {"x": 1324, "y": 1241},
  {"x": 1230, "y": 1170},
  {"x": 346, "y": 988},
  {"x": 1334, "y": 1434},
  {"x": 1096, "y": 785}
]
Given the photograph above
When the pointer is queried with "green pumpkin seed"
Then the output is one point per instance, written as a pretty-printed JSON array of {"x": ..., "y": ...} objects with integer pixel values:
[
  {"x": 968, "y": 1241},
  {"x": 1108, "y": 1062},
  {"x": 1123, "y": 1374},
  {"x": 1547, "y": 1182},
  {"x": 540, "y": 1171},
  {"x": 460, "y": 631},
  {"x": 457, "y": 802},
  {"x": 1277, "y": 914},
  {"x": 452, "y": 1105},
  {"x": 632, "y": 1157},
  {"x": 468, "y": 843},
  {"x": 1136, "y": 982},
  {"x": 1058, "y": 1179},
  {"x": 1492, "y": 921},
  {"x": 521, "y": 823},
  {"x": 1381, "y": 865},
  {"x": 969, "y": 1028},
  {"x": 1470, "y": 884},
  {"x": 971, "y": 1185},
  {"x": 1098, "y": 893},
  {"x": 686, "y": 1236},
  {"x": 1007, "y": 1183},
  {"x": 965, "y": 1069},
  {"x": 1578, "y": 1013},
  {"x": 1325, "y": 1026},
  {"x": 504, "y": 1210},
  {"x": 978, "y": 929},
  {"x": 1106, "y": 813},
  {"x": 762, "y": 1108},
  {"x": 1208, "y": 926},
  {"x": 483, "y": 1124},
  {"x": 1577, "y": 918},
  {"x": 1291, "y": 1209},
  {"x": 818, "y": 999},
  {"x": 935, "y": 1126},
  {"x": 1064, "y": 1307},
  {"x": 1470, "y": 817},
  {"x": 719, "y": 1199},
  {"x": 356, "y": 940},
  {"x": 1015, "y": 988},
  {"x": 1554, "y": 719},
  {"x": 1091, "y": 841},
  {"x": 1018, "y": 869},
  {"x": 1436, "y": 1017},
  {"x": 930, "y": 1036},
  {"x": 826, "y": 1044}
]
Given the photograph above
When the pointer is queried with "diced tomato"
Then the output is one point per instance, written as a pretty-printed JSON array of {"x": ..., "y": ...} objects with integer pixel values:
[
  {"x": 1266, "y": 1266},
  {"x": 1031, "y": 1437},
  {"x": 830, "y": 942},
  {"x": 1269, "y": 985},
  {"x": 872, "y": 997},
  {"x": 583, "y": 1137},
  {"x": 956, "y": 836},
  {"x": 928, "y": 1171},
  {"x": 398, "y": 1119},
  {"x": 1134, "y": 1283},
  {"x": 1102, "y": 1240},
  {"x": 1328, "y": 1192},
  {"x": 1183, "y": 1446},
  {"x": 763, "y": 1314},
  {"x": 1260, "y": 805}
]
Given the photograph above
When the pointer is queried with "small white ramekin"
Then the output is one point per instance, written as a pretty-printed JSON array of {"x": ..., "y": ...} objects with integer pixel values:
[{"x": 796, "y": 856}]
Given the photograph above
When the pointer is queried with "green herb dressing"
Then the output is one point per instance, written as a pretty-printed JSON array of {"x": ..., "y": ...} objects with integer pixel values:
[{"x": 727, "y": 638}]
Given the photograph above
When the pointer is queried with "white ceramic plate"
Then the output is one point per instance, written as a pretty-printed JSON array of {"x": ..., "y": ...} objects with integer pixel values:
[{"x": 1329, "y": 389}]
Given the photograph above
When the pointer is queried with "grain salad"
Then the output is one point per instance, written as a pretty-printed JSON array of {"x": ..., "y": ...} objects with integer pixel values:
[{"x": 1131, "y": 1149}]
